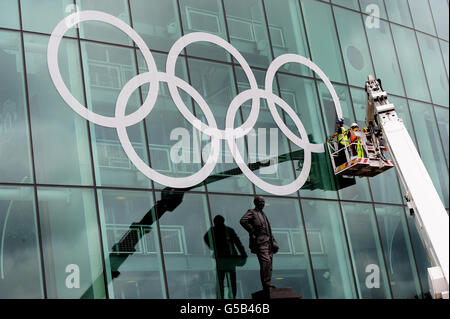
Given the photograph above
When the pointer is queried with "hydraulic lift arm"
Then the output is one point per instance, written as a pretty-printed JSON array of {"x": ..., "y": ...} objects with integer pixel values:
[{"x": 430, "y": 216}]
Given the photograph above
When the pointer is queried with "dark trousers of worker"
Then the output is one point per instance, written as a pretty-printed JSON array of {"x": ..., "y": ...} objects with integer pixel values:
[
  {"x": 221, "y": 273},
  {"x": 265, "y": 258}
]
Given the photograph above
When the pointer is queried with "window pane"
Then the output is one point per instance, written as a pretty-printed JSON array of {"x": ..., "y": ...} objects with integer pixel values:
[
  {"x": 402, "y": 109},
  {"x": 323, "y": 39},
  {"x": 190, "y": 264},
  {"x": 107, "y": 69},
  {"x": 159, "y": 28},
  {"x": 352, "y": 4},
  {"x": 131, "y": 245},
  {"x": 408, "y": 55},
  {"x": 287, "y": 32},
  {"x": 9, "y": 14},
  {"x": 398, "y": 11},
  {"x": 61, "y": 145},
  {"x": 439, "y": 8},
  {"x": 204, "y": 16},
  {"x": 100, "y": 31},
  {"x": 14, "y": 145},
  {"x": 442, "y": 118},
  {"x": 20, "y": 265},
  {"x": 71, "y": 243},
  {"x": 248, "y": 31},
  {"x": 430, "y": 147},
  {"x": 421, "y": 257},
  {"x": 421, "y": 15},
  {"x": 379, "y": 3},
  {"x": 434, "y": 68},
  {"x": 332, "y": 267},
  {"x": 354, "y": 46},
  {"x": 366, "y": 250},
  {"x": 384, "y": 58},
  {"x": 44, "y": 15},
  {"x": 445, "y": 53},
  {"x": 398, "y": 252}
]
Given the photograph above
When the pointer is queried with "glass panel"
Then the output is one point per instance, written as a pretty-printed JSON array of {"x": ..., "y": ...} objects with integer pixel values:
[
  {"x": 20, "y": 265},
  {"x": 366, "y": 251},
  {"x": 190, "y": 264},
  {"x": 442, "y": 118},
  {"x": 14, "y": 145},
  {"x": 301, "y": 95},
  {"x": 131, "y": 245},
  {"x": 402, "y": 109},
  {"x": 434, "y": 68},
  {"x": 398, "y": 11},
  {"x": 408, "y": 54},
  {"x": 159, "y": 28},
  {"x": 44, "y": 15},
  {"x": 421, "y": 257},
  {"x": 352, "y": 4},
  {"x": 290, "y": 265},
  {"x": 287, "y": 32},
  {"x": 204, "y": 16},
  {"x": 445, "y": 53},
  {"x": 421, "y": 15},
  {"x": 248, "y": 31},
  {"x": 61, "y": 155},
  {"x": 71, "y": 243},
  {"x": 101, "y": 31},
  {"x": 9, "y": 14},
  {"x": 323, "y": 39},
  {"x": 398, "y": 252},
  {"x": 369, "y": 10},
  {"x": 354, "y": 46},
  {"x": 439, "y": 8},
  {"x": 107, "y": 69},
  {"x": 430, "y": 147},
  {"x": 384, "y": 58},
  {"x": 331, "y": 262}
]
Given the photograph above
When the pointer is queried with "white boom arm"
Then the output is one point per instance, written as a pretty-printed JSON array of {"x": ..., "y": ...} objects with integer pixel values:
[{"x": 430, "y": 216}]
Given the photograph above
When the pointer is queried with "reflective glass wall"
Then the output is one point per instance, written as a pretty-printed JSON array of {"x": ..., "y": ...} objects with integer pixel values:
[{"x": 79, "y": 220}]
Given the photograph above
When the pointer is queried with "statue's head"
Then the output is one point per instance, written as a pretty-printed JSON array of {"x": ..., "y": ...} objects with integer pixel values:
[{"x": 259, "y": 202}]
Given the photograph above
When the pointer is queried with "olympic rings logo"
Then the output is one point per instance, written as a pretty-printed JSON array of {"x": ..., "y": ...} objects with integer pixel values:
[{"x": 121, "y": 121}]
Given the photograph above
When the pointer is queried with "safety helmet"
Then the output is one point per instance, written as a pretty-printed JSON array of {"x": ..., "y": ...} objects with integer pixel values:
[
  {"x": 340, "y": 121},
  {"x": 354, "y": 125}
]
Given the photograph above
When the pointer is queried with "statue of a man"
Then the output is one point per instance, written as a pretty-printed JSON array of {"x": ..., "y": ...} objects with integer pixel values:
[{"x": 262, "y": 242}]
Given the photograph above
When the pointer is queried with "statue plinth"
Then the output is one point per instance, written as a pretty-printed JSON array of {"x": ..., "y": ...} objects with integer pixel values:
[{"x": 276, "y": 293}]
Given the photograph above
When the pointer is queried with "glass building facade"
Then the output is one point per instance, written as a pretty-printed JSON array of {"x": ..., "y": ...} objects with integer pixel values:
[{"x": 72, "y": 204}]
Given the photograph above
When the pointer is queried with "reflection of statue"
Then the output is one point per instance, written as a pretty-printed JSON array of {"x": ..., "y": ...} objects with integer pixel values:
[
  {"x": 262, "y": 242},
  {"x": 227, "y": 245}
]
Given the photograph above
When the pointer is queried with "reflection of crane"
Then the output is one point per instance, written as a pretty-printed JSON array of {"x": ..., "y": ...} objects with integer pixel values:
[{"x": 430, "y": 216}]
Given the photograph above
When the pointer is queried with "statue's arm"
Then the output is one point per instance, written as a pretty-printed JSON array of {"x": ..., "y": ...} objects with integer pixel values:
[{"x": 246, "y": 222}]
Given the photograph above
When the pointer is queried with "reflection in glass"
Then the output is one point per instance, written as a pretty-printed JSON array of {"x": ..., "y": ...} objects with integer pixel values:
[
  {"x": 287, "y": 32},
  {"x": 44, "y": 15},
  {"x": 190, "y": 265},
  {"x": 430, "y": 147},
  {"x": 248, "y": 31},
  {"x": 14, "y": 142},
  {"x": 329, "y": 254},
  {"x": 434, "y": 69},
  {"x": 131, "y": 244},
  {"x": 71, "y": 243},
  {"x": 107, "y": 69},
  {"x": 60, "y": 141},
  {"x": 20, "y": 264},
  {"x": 323, "y": 39},
  {"x": 398, "y": 252},
  {"x": 366, "y": 251},
  {"x": 9, "y": 14},
  {"x": 408, "y": 55},
  {"x": 354, "y": 46}
]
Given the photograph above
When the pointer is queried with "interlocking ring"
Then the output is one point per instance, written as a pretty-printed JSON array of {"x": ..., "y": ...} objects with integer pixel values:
[{"x": 121, "y": 121}]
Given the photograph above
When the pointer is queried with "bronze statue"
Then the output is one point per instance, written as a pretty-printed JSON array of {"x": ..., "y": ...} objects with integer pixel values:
[{"x": 262, "y": 242}]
